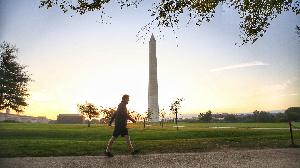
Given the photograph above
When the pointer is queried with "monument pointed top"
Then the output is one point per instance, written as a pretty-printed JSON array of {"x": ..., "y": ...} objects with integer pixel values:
[{"x": 152, "y": 37}]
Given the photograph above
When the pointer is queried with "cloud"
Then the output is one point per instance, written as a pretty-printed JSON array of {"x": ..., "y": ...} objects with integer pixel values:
[
  {"x": 291, "y": 94},
  {"x": 238, "y": 66},
  {"x": 282, "y": 86}
]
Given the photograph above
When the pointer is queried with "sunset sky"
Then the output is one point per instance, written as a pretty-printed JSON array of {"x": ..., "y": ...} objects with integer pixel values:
[{"x": 77, "y": 59}]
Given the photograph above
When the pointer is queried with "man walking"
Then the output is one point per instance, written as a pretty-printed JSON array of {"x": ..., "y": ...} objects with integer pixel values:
[{"x": 120, "y": 116}]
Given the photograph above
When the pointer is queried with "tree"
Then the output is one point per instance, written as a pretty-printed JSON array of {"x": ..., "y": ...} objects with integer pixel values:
[
  {"x": 230, "y": 118},
  {"x": 280, "y": 117},
  {"x": 107, "y": 113},
  {"x": 88, "y": 110},
  {"x": 162, "y": 115},
  {"x": 255, "y": 115},
  {"x": 14, "y": 79},
  {"x": 135, "y": 115},
  {"x": 207, "y": 117},
  {"x": 139, "y": 117},
  {"x": 256, "y": 16},
  {"x": 175, "y": 106},
  {"x": 293, "y": 113},
  {"x": 147, "y": 116},
  {"x": 262, "y": 116},
  {"x": 298, "y": 31}
]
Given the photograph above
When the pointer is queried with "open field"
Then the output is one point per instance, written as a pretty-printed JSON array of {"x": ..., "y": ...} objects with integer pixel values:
[{"x": 18, "y": 139}]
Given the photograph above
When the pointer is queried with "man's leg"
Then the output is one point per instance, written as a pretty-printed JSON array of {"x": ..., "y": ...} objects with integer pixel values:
[
  {"x": 110, "y": 143},
  {"x": 127, "y": 138}
]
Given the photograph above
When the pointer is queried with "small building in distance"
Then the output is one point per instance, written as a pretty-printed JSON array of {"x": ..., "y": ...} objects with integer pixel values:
[
  {"x": 7, "y": 117},
  {"x": 70, "y": 119}
]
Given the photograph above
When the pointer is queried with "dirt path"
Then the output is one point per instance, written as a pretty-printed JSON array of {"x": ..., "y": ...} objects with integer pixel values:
[{"x": 272, "y": 158}]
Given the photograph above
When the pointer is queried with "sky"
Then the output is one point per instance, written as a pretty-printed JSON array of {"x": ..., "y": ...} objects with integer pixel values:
[{"x": 77, "y": 59}]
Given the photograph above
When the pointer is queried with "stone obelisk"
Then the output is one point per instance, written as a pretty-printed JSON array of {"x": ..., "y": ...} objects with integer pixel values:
[{"x": 153, "y": 86}]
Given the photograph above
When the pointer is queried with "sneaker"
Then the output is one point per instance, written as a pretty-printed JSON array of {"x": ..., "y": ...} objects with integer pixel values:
[
  {"x": 108, "y": 154},
  {"x": 135, "y": 152}
]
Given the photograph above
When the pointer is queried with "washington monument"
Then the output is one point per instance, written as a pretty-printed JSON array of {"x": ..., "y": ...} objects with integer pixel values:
[{"x": 153, "y": 86}]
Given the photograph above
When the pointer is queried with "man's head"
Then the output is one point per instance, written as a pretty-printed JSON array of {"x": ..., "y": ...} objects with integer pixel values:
[{"x": 125, "y": 98}]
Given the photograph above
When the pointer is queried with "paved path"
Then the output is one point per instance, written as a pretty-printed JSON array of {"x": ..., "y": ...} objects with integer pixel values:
[{"x": 272, "y": 158}]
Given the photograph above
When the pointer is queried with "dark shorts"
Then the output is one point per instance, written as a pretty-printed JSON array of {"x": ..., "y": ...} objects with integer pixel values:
[{"x": 120, "y": 131}]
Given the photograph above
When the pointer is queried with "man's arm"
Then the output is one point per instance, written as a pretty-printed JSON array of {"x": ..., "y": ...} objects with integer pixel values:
[{"x": 130, "y": 118}]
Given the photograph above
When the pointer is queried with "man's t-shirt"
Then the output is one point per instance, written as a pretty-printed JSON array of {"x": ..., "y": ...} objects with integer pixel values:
[{"x": 120, "y": 116}]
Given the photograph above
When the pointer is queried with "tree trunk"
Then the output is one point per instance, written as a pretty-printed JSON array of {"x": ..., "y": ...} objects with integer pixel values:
[
  {"x": 144, "y": 123},
  {"x": 89, "y": 124},
  {"x": 176, "y": 121},
  {"x": 291, "y": 131}
]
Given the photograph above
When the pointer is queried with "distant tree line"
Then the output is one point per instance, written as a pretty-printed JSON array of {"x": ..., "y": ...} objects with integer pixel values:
[
  {"x": 256, "y": 116},
  {"x": 91, "y": 112},
  {"x": 291, "y": 114}
]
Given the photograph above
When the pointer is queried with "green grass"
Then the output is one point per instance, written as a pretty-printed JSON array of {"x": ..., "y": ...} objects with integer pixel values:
[{"x": 19, "y": 139}]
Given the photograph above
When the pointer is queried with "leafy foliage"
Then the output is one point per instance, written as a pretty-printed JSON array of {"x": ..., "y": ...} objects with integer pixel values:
[
  {"x": 175, "y": 106},
  {"x": 207, "y": 117},
  {"x": 230, "y": 118},
  {"x": 88, "y": 110},
  {"x": 108, "y": 112},
  {"x": 298, "y": 31},
  {"x": 262, "y": 116},
  {"x": 162, "y": 115},
  {"x": 293, "y": 113},
  {"x": 147, "y": 115},
  {"x": 14, "y": 79},
  {"x": 255, "y": 15},
  {"x": 135, "y": 115}
]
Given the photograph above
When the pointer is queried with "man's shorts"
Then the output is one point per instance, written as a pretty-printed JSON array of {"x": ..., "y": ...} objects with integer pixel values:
[{"x": 120, "y": 131}]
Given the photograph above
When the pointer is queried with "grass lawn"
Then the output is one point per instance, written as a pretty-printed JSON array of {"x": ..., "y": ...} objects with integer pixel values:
[{"x": 25, "y": 139}]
